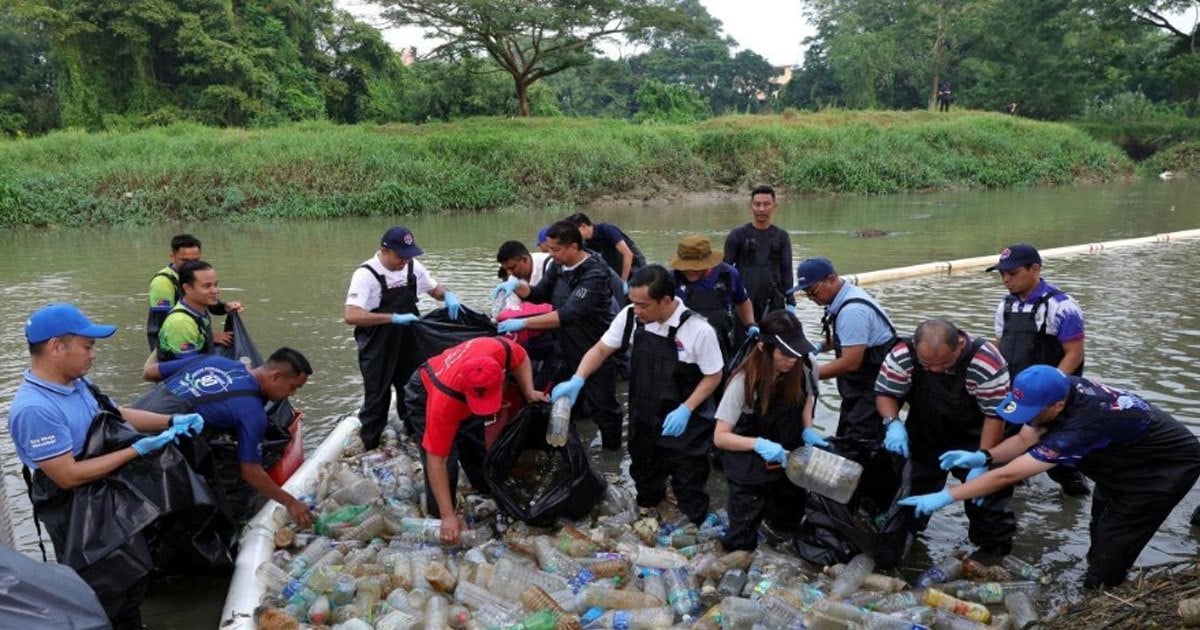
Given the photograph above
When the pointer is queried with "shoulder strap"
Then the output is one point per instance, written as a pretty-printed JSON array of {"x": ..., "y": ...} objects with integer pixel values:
[
  {"x": 683, "y": 317},
  {"x": 1044, "y": 303},
  {"x": 872, "y": 306},
  {"x": 442, "y": 387},
  {"x": 28, "y": 477},
  {"x": 627, "y": 336},
  {"x": 378, "y": 276}
]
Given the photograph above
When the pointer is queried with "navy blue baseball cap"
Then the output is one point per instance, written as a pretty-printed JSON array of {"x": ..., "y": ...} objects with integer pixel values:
[
  {"x": 1016, "y": 256},
  {"x": 812, "y": 271},
  {"x": 541, "y": 235},
  {"x": 57, "y": 320},
  {"x": 1034, "y": 389},
  {"x": 400, "y": 240}
]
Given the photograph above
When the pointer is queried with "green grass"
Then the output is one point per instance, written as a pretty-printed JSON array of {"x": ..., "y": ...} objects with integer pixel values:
[{"x": 320, "y": 170}]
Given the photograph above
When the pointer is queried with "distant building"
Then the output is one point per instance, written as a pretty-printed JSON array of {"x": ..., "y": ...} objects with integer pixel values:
[{"x": 783, "y": 78}]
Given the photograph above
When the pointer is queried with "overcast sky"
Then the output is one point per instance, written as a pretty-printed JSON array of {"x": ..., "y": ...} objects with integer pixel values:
[{"x": 771, "y": 28}]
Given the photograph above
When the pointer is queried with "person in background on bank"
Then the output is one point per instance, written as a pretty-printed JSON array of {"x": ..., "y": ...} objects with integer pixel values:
[
  {"x": 712, "y": 288},
  {"x": 446, "y": 400},
  {"x": 675, "y": 366},
  {"x": 612, "y": 243},
  {"x": 231, "y": 398},
  {"x": 165, "y": 290},
  {"x": 579, "y": 287},
  {"x": 762, "y": 253},
  {"x": 49, "y": 420},
  {"x": 1037, "y": 324},
  {"x": 952, "y": 383},
  {"x": 380, "y": 305},
  {"x": 187, "y": 330},
  {"x": 766, "y": 411},
  {"x": 1011, "y": 108},
  {"x": 944, "y": 95},
  {"x": 1142, "y": 460},
  {"x": 860, "y": 334}
]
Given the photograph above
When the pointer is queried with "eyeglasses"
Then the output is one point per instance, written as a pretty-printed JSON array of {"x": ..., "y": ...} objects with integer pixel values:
[{"x": 812, "y": 290}]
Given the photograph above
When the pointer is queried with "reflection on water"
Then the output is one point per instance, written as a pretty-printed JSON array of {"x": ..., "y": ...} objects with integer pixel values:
[{"x": 1140, "y": 304}]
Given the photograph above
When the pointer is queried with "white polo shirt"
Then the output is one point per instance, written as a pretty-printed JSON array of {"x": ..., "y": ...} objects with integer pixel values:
[
  {"x": 696, "y": 341},
  {"x": 365, "y": 292}
]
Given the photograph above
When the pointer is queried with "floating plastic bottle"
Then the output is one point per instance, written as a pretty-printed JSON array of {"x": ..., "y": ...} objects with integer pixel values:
[
  {"x": 732, "y": 583},
  {"x": 943, "y": 620},
  {"x": 272, "y": 577},
  {"x": 874, "y": 581},
  {"x": 478, "y": 597},
  {"x": 368, "y": 529},
  {"x": 435, "y": 613},
  {"x": 976, "y": 570},
  {"x": 655, "y": 586},
  {"x": 640, "y": 619},
  {"x": 1021, "y": 569},
  {"x": 970, "y": 610},
  {"x": 559, "y": 426},
  {"x": 781, "y": 613},
  {"x": 995, "y": 592},
  {"x": 1024, "y": 613},
  {"x": 852, "y": 575},
  {"x": 554, "y": 561},
  {"x": 681, "y": 595},
  {"x": 825, "y": 473},
  {"x": 737, "y": 612},
  {"x": 397, "y": 620},
  {"x": 656, "y": 558},
  {"x": 893, "y": 602},
  {"x": 344, "y": 588},
  {"x": 509, "y": 579},
  {"x": 947, "y": 569},
  {"x": 608, "y": 598}
]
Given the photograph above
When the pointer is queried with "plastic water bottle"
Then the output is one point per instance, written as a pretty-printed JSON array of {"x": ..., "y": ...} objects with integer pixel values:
[
  {"x": 737, "y": 612},
  {"x": 344, "y": 587},
  {"x": 681, "y": 595},
  {"x": 995, "y": 592},
  {"x": 640, "y": 619},
  {"x": 657, "y": 558},
  {"x": 1024, "y": 613},
  {"x": 397, "y": 620},
  {"x": 893, "y": 602},
  {"x": 478, "y": 597},
  {"x": 732, "y": 583},
  {"x": 272, "y": 577},
  {"x": 1020, "y": 568},
  {"x": 947, "y": 569},
  {"x": 509, "y": 580},
  {"x": 970, "y": 610},
  {"x": 610, "y": 598},
  {"x": 873, "y": 582},
  {"x": 560, "y": 422},
  {"x": 318, "y": 612},
  {"x": 851, "y": 577},
  {"x": 824, "y": 473},
  {"x": 435, "y": 613},
  {"x": 781, "y": 613},
  {"x": 654, "y": 586},
  {"x": 498, "y": 304},
  {"x": 458, "y": 616}
]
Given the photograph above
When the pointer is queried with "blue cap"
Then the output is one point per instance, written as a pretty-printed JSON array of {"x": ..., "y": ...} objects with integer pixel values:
[
  {"x": 1016, "y": 256},
  {"x": 57, "y": 320},
  {"x": 1034, "y": 389},
  {"x": 812, "y": 271},
  {"x": 400, "y": 240},
  {"x": 541, "y": 235}
]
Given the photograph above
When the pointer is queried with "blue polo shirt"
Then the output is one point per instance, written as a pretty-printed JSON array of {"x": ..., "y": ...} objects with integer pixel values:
[
  {"x": 859, "y": 324},
  {"x": 736, "y": 293},
  {"x": 47, "y": 419},
  {"x": 211, "y": 375}
]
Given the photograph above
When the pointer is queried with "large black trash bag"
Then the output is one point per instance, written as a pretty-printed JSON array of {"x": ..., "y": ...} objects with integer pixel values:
[
  {"x": 45, "y": 595},
  {"x": 243, "y": 348},
  {"x": 870, "y": 522},
  {"x": 578, "y": 487},
  {"x": 436, "y": 332}
]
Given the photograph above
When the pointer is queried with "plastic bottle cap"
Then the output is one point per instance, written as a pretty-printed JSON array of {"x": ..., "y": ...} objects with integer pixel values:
[{"x": 591, "y": 615}]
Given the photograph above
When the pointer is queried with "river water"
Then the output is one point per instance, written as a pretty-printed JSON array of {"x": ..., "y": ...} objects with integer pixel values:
[{"x": 1140, "y": 304}]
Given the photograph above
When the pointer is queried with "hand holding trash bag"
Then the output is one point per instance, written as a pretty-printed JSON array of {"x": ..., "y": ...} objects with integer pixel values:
[
  {"x": 154, "y": 442},
  {"x": 508, "y": 287},
  {"x": 896, "y": 440},
  {"x": 188, "y": 423},
  {"x": 452, "y": 303},
  {"x": 403, "y": 319},
  {"x": 676, "y": 421},
  {"x": 926, "y": 504}
]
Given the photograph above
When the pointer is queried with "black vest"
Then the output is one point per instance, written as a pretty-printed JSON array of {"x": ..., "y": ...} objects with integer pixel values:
[
  {"x": 1025, "y": 343},
  {"x": 942, "y": 415},
  {"x": 861, "y": 382},
  {"x": 781, "y": 423}
]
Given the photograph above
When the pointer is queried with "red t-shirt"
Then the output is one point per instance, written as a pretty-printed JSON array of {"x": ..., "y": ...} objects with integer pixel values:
[{"x": 443, "y": 413}]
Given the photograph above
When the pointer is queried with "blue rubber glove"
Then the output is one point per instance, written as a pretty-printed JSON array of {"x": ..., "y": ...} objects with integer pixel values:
[
  {"x": 403, "y": 319},
  {"x": 927, "y": 504},
  {"x": 569, "y": 388},
  {"x": 813, "y": 438},
  {"x": 770, "y": 451},
  {"x": 154, "y": 442},
  {"x": 962, "y": 459},
  {"x": 975, "y": 472},
  {"x": 508, "y": 287},
  {"x": 676, "y": 421},
  {"x": 625, "y": 287},
  {"x": 452, "y": 303},
  {"x": 511, "y": 325},
  {"x": 188, "y": 423},
  {"x": 896, "y": 440},
  {"x": 791, "y": 308},
  {"x": 752, "y": 331}
]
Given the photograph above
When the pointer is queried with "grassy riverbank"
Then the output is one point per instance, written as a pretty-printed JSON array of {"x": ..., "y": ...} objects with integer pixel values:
[{"x": 318, "y": 170}]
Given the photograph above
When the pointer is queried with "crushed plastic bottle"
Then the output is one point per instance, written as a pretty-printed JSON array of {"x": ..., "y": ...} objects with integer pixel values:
[
  {"x": 1024, "y": 613},
  {"x": 852, "y": 575},
  {"x": 947, "y": 569}
]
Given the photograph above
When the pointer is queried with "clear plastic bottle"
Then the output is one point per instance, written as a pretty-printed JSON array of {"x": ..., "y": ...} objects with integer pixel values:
[
  {"x": 852, "y": 575},
  {"x": 458, "y": 616},
  {"x": 272, "y": 577},
  {"x": 1024, "y": 613},
  {"x": 681, "y": 595},
  {"x": 498, "y": 304},
  {"x": 970, "y": 610},
  {"x": 344, "y": 588},
  {"x": 874, "y": 581},
  {"x": 574, "y": 543},
  {"x": 509, "y": 579},
  {"x": 976, "y": 570},
  {"x": 613, "y": 598},
  {"x": 534, "y": 599},
  {"x": 397, "y": 620},
  {"x": 737, "y": 612},
  {"x": 949, "y": 568},
  {"x": 656, "y": 558},
  {"x": 435, "y": 613},
  {"x": 1021, "y": 569},
  {"x": 995, "y": 592},
  {"x": 944, "y": 620},
  {"x": 321, "y": 579},
  {"x": 640, "y": 619},
  {"x": 839, "y": 610},
  {"x": 318, "y": 612},
  {"x": 554, "y": 561},
  {"x": 893, "y": 602},
  {"x": 477, "y": 597},
  {"x": 309, "y": 555},
  {"x": 732, "y": 583},
  {"x": 823, "y": 472},
  {"x": 655, "y": 586},
  {"x": 368, "y": 529},
  {"x": 781, "y": 613},
  {"x": 439, "y": 577},
  {"x": 559, "y": 426}
]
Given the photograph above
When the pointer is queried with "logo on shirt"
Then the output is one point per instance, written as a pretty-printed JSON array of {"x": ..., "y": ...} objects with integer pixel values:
[
  {"x": 207, "y": 380},
  {"x": 679, "y": 346},
  {"x": 45, "y": 441},
  {"x": 580, "y": 293}
]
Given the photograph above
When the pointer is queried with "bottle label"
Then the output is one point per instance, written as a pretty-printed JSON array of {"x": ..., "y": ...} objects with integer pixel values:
[{"x": 621, "y": 620}]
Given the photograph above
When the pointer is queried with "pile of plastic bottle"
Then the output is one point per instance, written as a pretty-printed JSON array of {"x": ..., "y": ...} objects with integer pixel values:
[{"x": 373, "y": 561}]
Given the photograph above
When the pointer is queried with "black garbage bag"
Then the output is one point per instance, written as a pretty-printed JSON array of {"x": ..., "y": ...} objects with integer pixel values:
[
  {"x": 870, "y": 522},
  {"x": 45, "y": 595},
  {"x": 243, "y": 348},
  {"x": 435, "y": 332},
  {"x": 535, "y": 482}
]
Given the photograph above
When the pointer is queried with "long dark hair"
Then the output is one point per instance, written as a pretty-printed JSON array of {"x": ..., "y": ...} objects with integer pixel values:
[{"x": 764, "y": 386}]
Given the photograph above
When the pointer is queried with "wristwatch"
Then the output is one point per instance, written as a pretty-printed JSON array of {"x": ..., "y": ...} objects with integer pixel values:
[{"x": 988, "y": 455}]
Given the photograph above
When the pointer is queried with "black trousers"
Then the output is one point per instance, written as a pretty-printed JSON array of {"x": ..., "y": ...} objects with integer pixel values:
[
  {"x": 992, "y": 525},
  {"x": 1122, "y": 525},
  {"x": 780, "y": 502},
  {"x": 600, "y": 394},
  {"x": 651, "y": 465},
  {"x": 385, "y": 369},
  {"x": 469, "y": 446},
  {"x": 859, "y": 419}
]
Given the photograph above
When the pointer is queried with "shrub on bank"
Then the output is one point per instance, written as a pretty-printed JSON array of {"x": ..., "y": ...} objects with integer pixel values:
[{"x": 322, "y": 170}]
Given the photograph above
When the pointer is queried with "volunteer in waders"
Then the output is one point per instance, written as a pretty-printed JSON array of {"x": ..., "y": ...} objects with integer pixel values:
[
  {"x": 953, "y": 384},
  {"x": 713, "y": 289},
  {"x": 187, "y": 330},
  {"x": 447, "y": 399},
  {"x": 860, "y": 334},
  {"x": 54, "y": 412},
  {"x": 231, "y": 399},
  {"x": 579, "y": 286},
  {"x": 165, "y": 289},
  {"x": 1142, "y": 460},
  {"x": 762, "y": 253},
  {"x": 675, "y": 366},
  {"x": 381, "y": 304},
  {"x": 766, "y": 411},
  {"x": 1037, "y": 324}
]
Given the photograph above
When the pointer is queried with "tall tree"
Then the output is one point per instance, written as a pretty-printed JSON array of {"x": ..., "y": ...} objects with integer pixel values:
[{"x": 533, "y": 39}]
